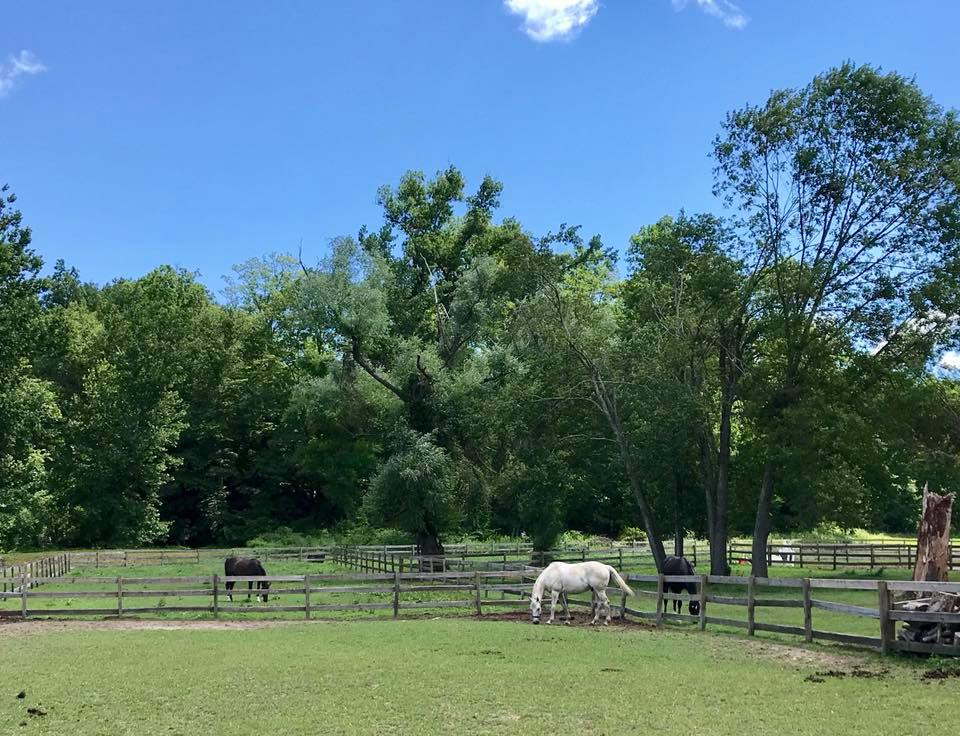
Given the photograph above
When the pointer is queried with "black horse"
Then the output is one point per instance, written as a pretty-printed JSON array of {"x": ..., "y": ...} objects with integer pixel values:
[
  {"x": 245, "y": 566},
  {"x": 681, "y": 566}
]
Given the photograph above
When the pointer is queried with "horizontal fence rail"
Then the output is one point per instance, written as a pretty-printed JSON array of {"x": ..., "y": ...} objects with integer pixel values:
[
  {"x": 834, "y": 556},
  {"x": 480, "y": 556},
  {"x": 479, "y": 591}
]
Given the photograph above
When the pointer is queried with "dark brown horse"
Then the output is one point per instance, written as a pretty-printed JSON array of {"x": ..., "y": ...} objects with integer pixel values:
[
  {"x": 681, "y": 566},
  {"x": 243, "y": 566}
]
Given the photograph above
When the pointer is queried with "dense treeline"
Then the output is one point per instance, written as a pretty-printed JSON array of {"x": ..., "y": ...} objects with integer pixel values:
[{"x": 447, "y": 371}]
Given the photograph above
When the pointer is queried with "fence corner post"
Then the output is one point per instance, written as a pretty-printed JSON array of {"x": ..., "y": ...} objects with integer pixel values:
[
  {"x": 660, "y": 601},
  {"x": 396, "y": 593},
  {"x": 887, "y": 625},
  {"x": 476, "y": 582},
  {"x": 306, "y": 595},
  {"x": 216, "y": 596},
  {"x": 703, "y": 603},
  {"x": 807, "y": 610}
]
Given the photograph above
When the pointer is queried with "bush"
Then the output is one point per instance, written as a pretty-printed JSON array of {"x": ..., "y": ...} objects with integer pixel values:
[{"x": 632, "y": 533}]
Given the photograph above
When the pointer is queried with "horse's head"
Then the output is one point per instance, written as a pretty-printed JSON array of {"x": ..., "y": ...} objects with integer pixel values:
[
  {"x": 535, "y": 608},
  {"x": 694, "y": 607}
]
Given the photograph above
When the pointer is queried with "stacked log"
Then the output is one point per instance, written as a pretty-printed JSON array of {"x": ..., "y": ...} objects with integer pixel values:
[{"x": 931, "y": 632}]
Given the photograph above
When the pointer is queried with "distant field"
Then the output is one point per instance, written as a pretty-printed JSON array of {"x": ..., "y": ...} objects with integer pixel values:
[{"x": 451, "y": 676}]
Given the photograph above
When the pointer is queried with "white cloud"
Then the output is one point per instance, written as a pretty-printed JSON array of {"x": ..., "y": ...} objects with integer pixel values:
[
  {"x": 949, "y": 361},
  {"x": 726, "y": 11},
  {"x": 25, "y": 62},
  {"x": 553, "y": 20}
]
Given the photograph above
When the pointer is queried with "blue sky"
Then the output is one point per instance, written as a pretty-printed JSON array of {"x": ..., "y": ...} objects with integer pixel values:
[{"x": 202, "y": 134}]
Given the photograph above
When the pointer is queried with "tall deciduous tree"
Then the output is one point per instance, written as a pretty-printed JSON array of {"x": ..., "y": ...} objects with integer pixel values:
[{"x": 848, "y": 192}]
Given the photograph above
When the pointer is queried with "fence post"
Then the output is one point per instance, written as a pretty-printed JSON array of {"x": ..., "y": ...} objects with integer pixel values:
[
  {"x": 119, "y": 597},
  {"x": 476, "y": 582},
  {"x": 887, "y": 626},
  {"x": 871, "y": 556},
  {"x": 23, "y": 595},
  {"x": 750, "y": 605},
  {"x": 396, "y": 594},
  {"x": 703, "y": 602},
  {"x": 834, "y": 557},
  {"x": 807, "y": 610},
  {"x": 124, "y": 558},
  {"x": 660, "y": 601},
  {"x": 197, "y": 550},
  {"x": 306, "y": 594},
  {"x": 161, "y": 558},
  {"x": 216, "y": 596},
  {"x": 620, "y": 552},
  {"x": 800, "y": 548}
]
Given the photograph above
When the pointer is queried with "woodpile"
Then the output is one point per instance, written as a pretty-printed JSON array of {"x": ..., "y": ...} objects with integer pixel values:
[{"x": 931, "y": 632}]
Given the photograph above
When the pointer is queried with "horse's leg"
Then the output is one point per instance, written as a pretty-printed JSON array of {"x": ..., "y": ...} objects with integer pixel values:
[
  {"x": 605, "y": 605},
  {"x": 230, "y": 591},
  {"x": 554, "y": 594},
  {"x": 566, "y": 607},
  {"x": 249, "y": 588}
]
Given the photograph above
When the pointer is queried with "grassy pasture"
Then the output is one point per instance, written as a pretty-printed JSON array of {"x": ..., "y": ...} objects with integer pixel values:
[
  {"x": 822, "y": 620},
  {"x": 447, "y": 676}
]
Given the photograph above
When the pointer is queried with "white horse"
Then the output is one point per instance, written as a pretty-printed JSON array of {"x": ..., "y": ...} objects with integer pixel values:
[{"x": 561, "y": 578}]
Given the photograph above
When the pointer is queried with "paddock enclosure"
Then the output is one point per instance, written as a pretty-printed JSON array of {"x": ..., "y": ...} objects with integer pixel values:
[{"x": 383, "y": 582}]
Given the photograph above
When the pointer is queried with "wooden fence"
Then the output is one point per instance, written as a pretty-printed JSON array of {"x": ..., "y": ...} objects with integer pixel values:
[
  {"x": 464, "y": 557},
  {"x": 375, "y": 560},
  {"x": 480, "y": 591},
  {"x": 12, "y": 576},
  {"x": 143, "y": 557},
  {"x": 835, "y": 555}
]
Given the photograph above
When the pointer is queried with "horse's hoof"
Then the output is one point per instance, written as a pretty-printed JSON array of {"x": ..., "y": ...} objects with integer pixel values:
[{"x": 566, "y": 623}]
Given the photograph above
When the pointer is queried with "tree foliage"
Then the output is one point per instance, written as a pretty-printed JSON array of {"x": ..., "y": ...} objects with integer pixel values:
[{"x": 446, "y": 371}]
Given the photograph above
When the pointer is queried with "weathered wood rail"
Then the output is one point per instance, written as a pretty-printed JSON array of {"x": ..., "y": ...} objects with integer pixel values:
[
  {"x": 12, "y": 576},
  {"x": 478, "y": 591},
  {"x": 834, "y": 556}
]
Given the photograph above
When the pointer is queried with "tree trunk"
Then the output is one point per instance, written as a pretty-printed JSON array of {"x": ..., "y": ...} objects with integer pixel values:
[
  {"x": 933, "y": 537},
  {"x": 761, "y": 529},
  {"x": 430, "y": 550},
  {"x": 677, "y": 515},
  {"x": 636, "y": 485},
  {"x": 716, "y": 472},
  {"x": 719, "y": 564}
]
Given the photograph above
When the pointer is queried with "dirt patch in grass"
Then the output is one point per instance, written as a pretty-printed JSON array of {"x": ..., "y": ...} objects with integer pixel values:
[
  {"x": 582, "y": 620},
  {"x": 940, "y": 674},
  {"x": 803, "y": 657}
]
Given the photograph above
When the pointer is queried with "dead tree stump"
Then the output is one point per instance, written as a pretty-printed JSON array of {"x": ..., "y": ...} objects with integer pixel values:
[{"x": 933, "y": 538}]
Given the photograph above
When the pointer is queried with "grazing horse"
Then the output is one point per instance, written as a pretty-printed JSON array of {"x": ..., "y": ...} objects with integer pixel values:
[
  {"x": 561, "y": 578},
  {"x": 681, "y": 566},
  {"x": 245, "y": 566}
]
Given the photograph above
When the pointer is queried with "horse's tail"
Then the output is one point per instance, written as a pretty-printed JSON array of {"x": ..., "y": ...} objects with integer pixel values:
[{"x": 619, "y": 580}]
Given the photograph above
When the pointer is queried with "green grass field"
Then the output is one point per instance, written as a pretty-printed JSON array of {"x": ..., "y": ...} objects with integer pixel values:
[{"x": 449, "y": 676}]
